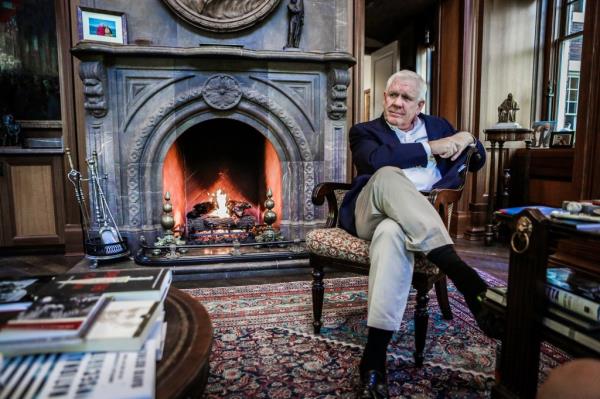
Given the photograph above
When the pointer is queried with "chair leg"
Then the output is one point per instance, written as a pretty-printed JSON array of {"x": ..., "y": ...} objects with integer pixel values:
[
  {"x": 441, "y": 293},
  {"x": 317, "y": 297},
  {"x": 421, "y": 324}
]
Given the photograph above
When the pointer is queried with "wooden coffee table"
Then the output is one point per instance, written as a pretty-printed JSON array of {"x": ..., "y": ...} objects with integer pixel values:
[{"x": 183, "y": 370}]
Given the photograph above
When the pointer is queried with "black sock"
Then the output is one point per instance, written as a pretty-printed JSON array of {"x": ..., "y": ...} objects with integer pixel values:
[
  {"x": 464, "y": 277},
  {"x": 375, "y": 354}
]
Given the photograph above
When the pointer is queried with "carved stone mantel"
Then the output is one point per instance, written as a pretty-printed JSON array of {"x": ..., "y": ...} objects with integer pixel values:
[
  {"x": 85, "y": 50},
  {"x": 154, "y": 93}
]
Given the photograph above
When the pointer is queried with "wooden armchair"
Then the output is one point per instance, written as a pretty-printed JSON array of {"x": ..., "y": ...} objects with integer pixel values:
[{"x": 333, "y": 247}]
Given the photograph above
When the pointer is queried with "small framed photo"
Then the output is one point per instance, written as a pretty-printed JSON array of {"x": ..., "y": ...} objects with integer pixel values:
[
  {"x": 562, "y": 138},
  {"x": 101, "y": 26},
  {"x": 542, "y": 131}
]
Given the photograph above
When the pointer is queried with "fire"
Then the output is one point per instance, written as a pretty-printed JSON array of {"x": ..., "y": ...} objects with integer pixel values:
[{"x": 220, "y": 197}]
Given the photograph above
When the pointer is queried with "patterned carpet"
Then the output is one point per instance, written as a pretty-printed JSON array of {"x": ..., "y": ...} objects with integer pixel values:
[{"x": 264, "y": 346}]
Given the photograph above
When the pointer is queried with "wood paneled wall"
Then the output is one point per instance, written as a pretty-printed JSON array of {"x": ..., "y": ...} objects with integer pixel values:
[{"x": 587, "y": 163}]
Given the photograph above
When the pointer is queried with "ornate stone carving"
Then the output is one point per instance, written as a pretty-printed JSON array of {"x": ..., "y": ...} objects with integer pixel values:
[
  {"x": 135, "y": 165},
  {"x": 287, "y": 120},
  {"x": 93, "y": 76},
  {"x": 339, "y": 79},
  {"x": 309, "y": 184},
  {"x": 222, "y": 92},
  {"x": 296, "y": 16},
  {"x": 222, "y": 15}
]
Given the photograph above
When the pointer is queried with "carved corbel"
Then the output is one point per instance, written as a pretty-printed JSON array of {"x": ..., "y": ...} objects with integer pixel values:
[
  {"x": 338, "y": 82},
  {"x": 93, "y": 76}
]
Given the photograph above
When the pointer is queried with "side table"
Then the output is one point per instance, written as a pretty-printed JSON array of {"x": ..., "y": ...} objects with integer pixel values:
[
  {"x": 183, "y": 370},
  {"x": 496, "y": 189}
]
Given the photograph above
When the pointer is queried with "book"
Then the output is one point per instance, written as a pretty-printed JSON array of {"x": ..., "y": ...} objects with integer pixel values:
[
  {"x": 574, "y": 292},
  {"x": 497, "y": 295},
  {"x": 545, "y": 210},
  {"x": 51, "y": 317},
  {"x": 590, "y": 341},
  {"x": 16, "y": 294},
  {"x": 150, "y": 284},
  {"x": 576, "y": 221},
  {"x": 573, "y": 319},
  {"x": 81, "y": 375},
  {"x": 579, "y": 225},
  {"x": 121, "y": 326}
]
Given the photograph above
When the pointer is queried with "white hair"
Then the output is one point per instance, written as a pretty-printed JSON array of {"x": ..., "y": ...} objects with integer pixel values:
[{"x": 406, "y": 75}]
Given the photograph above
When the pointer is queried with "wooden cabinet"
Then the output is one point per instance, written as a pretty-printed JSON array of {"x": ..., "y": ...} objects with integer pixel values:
[
  {"x": 537, "y": 244},
  {"x": 31, "y": 198}
]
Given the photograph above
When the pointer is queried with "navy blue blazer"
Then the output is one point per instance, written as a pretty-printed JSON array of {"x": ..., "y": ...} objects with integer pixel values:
[{"x": 374, "y": 145}]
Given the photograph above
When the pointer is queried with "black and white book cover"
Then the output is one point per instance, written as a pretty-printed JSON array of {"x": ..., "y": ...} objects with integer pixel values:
[
  {"x": 52, "y": 308},
  {"x": 100, "y": 375},
  {"x": 120, "y": 284},
  {"x": 19, "y": 292},
  {"x": 52, "y": 317}
]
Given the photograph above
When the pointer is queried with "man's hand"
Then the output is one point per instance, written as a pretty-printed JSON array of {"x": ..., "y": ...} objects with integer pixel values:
[{"x": 452, "y": 146}]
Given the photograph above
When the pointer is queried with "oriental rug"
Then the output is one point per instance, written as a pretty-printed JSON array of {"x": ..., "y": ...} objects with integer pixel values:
[{"x": 264, "y": 346}]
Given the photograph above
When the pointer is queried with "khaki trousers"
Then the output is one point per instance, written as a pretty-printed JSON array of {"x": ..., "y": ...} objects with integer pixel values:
[{"x": 398, "y": 220}]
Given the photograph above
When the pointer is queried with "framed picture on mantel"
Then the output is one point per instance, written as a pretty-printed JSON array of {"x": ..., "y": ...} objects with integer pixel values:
[{"x": 101, "y": 26}]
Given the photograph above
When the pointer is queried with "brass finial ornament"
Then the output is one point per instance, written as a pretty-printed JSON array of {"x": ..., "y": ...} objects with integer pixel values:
[
  {"x": 167, "y": 221},
  {"x": 269, "y": 234}
]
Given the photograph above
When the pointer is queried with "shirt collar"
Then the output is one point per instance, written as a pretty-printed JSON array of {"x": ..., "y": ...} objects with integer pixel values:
[{"x": 416, "y": 124}]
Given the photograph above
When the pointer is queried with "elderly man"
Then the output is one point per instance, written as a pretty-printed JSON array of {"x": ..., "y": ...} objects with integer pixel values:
[{"x": 398, "y": 155}]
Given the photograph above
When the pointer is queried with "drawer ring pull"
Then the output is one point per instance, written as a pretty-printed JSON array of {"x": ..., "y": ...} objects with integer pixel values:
[{"x": 523, "y": 231}]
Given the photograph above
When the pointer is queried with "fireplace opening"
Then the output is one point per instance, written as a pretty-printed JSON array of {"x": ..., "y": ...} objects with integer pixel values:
[{"x": 218, "y": 173}]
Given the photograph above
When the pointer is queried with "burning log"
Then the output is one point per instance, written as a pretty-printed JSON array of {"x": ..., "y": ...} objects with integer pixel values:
[
  {"x": 237, "y": 208},
  {"x": 220, "y": 220},
  {"x": 201, "y": 208}
]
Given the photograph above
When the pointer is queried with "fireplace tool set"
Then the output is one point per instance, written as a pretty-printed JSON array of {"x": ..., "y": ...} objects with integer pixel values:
[{"x": 102, "y": 239}]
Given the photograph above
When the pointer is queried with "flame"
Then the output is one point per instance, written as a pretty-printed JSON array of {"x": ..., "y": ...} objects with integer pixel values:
[
  {"x": 221, "y": 204},
  {"x": 174, "y": 182},
  {"x": 179, "y": 178}
]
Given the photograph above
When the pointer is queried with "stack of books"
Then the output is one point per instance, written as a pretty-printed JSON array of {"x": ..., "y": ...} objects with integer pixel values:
[
  {"x": 575, "y": 215},
  {"x": 573, "y": 307},
  {"x": 83, "y": 335}
]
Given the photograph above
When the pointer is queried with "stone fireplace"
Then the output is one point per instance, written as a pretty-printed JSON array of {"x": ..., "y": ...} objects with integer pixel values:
[{"x": 183, "y": 112}]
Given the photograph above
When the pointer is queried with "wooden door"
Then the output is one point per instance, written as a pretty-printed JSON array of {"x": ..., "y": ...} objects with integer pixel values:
[{"x": 384, "y": 62}]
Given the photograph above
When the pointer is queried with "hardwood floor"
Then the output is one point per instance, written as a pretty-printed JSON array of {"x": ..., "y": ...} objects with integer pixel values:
[
  {"x": 36, "y": 265},
  {"x": 493, "y": 260}
]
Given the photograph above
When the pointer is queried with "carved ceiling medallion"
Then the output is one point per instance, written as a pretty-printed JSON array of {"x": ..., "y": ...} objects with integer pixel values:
[
  {"x": 222, "y": 92},
  {"x": 222, "y": 15}
]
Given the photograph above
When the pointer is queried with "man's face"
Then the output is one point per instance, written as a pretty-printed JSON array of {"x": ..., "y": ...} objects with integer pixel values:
[{"x": 401, "y": 104}]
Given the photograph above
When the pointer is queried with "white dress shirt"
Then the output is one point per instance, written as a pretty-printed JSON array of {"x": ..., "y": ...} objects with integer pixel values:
[{"x": 422, "y": 177}]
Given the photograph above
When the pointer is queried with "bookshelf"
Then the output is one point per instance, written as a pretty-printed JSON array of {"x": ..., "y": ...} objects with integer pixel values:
[{"x": 537, "y": 243}]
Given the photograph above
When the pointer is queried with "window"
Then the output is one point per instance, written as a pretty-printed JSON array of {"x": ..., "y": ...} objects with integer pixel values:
[
  {"x": 423, "y": 68},
  {"x": 29, "y": 84},
  {"x": 567, "y": 45}
]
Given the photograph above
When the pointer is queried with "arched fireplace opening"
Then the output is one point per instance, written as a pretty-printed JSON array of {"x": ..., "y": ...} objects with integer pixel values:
[{"x": 218, "y": 173}]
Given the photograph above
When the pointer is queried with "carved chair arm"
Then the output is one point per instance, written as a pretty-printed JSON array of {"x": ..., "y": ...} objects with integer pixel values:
[
  {"x": 326, "y": 191},
  {"x": 443, "y": 200}
]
